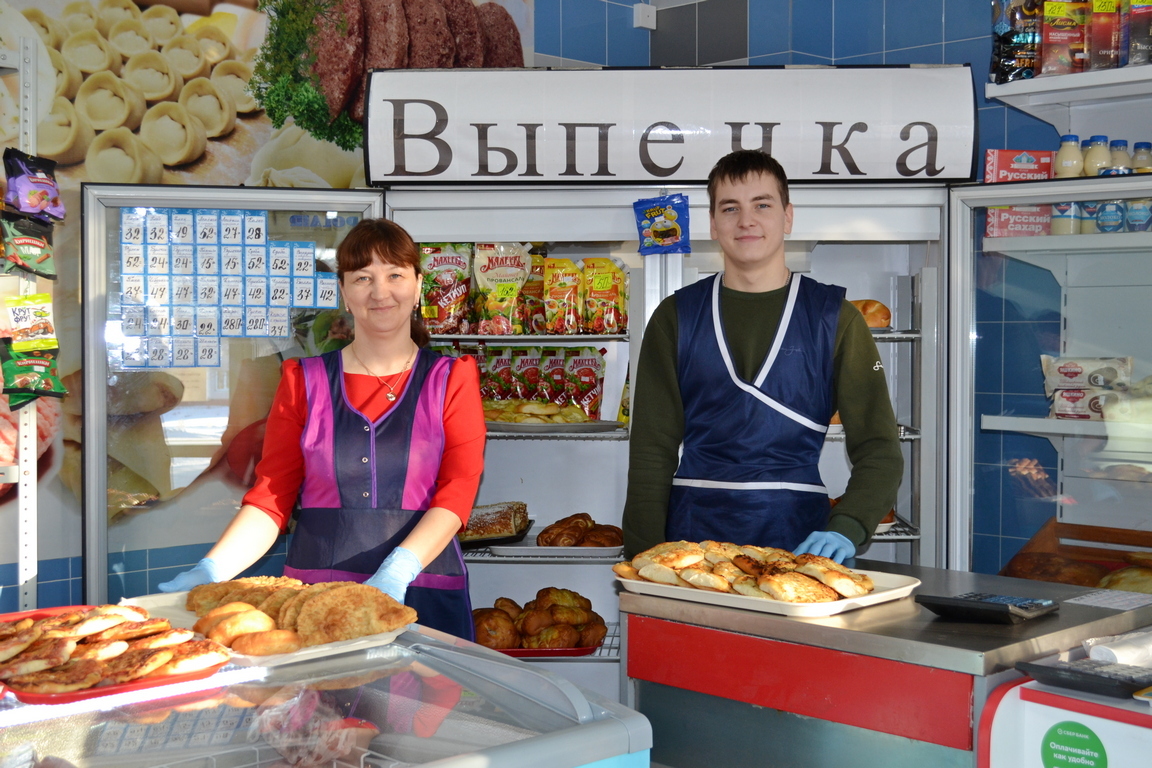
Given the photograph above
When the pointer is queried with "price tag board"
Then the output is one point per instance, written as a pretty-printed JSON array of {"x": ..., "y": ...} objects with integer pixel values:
[
  {"x": 231, "y": 321},
  {"x": 184, "y": 352},
  {"x": 256, "y": 228},
  {"x": 279, "y": 322},
  {"x": 182, "y": 226},
  {"x": 183, "y": 321},
  {"x": 280, "y": 291},
  {"x": 208, "y": 227},
  {"x": 156, "y": 227},
  {"x": 132, "y": 226},
  {"x": 256, "y": 321},
  {"x": 159, "y": 290},
  {"x": 256, "y": 291},
  {"x": 255, "y": 260},
  {"x": 183, "y": 259},
  {"x": 279, "y": 259},
  {"x": 132, "y": 321},
  {"x": 327, "y": 294},
  {"x": 231, "y": 292},
  {"x": 159, "y": 260},
  {"x": 231, "y": 227},
  {"x": 207, "y": 259},
  {"x": 303, "y": 259},
  {"x": 207, "y": 321},
  {"x": 184, "y": 290},
  {"x": 207, "y": 291},
  {"x": 303, "y": 292},
  {"x": 131, "y": 259},
  {"x": 134, "y": 353},
  {"x": 231, "y": 260},
  {"x": 159, "y": 321},
  {"x": 132, "y": 289},
  {"x": 208, "y": 352},
  {"x": 159, "y": 352}
]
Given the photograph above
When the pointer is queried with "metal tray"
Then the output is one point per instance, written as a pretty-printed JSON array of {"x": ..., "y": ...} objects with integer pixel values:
[
  {"x": 481, "y": 543},
  {"x": 170, "y": 606},
  {"x": 889, "y": 586},
  {"x": 532, "y": 550},
  {"x": 584, "y": 428},
  {"x": 543, "y": 653}
]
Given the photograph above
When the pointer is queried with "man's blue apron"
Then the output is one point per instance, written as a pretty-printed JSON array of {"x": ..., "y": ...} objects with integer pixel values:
[{"x": 749, "y": 466}]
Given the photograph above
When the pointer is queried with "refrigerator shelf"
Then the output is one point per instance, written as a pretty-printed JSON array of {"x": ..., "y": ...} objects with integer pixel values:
[
  {"x": 905, "y": 434},
  {"x": 484, "y": 555},
  {"x": 883, "y": 334},
  {"x": 528, "y": 341},
  {"x": 609, "y": 650},
  {"x": 1067, "y": 427}
]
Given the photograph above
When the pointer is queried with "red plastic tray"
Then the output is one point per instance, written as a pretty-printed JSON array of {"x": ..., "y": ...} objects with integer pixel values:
[
  {"x": 536, "y": 653},
  {"x": 89, "y": 693}
]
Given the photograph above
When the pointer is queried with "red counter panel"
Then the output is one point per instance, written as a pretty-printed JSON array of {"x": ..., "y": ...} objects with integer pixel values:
[{"x": 916, "y": 702}]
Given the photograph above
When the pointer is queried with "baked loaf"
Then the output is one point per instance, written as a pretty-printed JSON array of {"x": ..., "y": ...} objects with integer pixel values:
[
  {"x": 1131, "y": 578},
  {"x": 875, "y": 313},
  {"x": 1046, "y": 566},
  {"x": 555, "y": 618},
  {"x": 496, "y": 521},
  {"x": 580, "y": 530}
]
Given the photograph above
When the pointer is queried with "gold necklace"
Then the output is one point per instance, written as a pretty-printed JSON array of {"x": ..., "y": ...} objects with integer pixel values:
[{"x": 391, "y": 394}]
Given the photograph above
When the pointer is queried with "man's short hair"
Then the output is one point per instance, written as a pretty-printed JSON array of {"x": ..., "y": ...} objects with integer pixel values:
[{"x": 739, "y": 165}]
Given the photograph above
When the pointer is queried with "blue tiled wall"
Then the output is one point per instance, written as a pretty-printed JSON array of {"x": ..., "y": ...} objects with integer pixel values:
[{"x": 589, "y": 32}]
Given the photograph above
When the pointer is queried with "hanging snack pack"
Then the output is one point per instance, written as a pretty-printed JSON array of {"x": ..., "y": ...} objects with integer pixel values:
[
  {"x": 530, "y": 317},
  {"x": 32, "y": 185},
  {"x": 563, "y": 297},
  {"x": 32, "y": 324},
  {"x": 500, "y": 271},
  {"x": 27, "y": 245},
  {"x": 662, "y": 223},
  {"x": 605, "y": 296},
  {"x": 28, "y": 359},
  {"x": 1016, "y": 30},
  {"x": 584, "y": 374},
  {"x": 447, "y": 269}
]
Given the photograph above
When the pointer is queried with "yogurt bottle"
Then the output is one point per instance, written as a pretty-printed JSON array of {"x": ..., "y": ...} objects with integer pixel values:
[
  {"x": 1119, "y": 151},
  {"x": 1138, "y": 218},
  {"x": 1069, "y": 158},
  {"x": 1065, "y": 218},
  {"x": 1142, "y": 157},
  {"x": 1098, "y": 156},
  {"x": 1110, "y": 216},
  {"x": 1088, "y": 210}
]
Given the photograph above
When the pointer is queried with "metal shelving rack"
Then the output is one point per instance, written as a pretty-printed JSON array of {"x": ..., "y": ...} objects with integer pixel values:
[{"x": 24, "y": 66}]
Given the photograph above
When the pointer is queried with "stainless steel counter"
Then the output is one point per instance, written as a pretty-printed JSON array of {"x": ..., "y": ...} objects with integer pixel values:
[{"x": 904, "y": 631}]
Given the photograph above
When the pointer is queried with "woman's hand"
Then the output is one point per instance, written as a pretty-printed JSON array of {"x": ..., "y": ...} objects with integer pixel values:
[
  {"x": 205, "y": 572},
  {"x": 396, "y": 573}
]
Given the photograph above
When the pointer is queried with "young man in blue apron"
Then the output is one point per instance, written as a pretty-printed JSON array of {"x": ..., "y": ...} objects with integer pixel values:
[{"x": 738, "y": 377}]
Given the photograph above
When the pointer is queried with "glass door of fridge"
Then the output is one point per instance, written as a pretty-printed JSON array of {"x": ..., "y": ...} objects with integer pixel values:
[
  {"x": 1051, "y": 381},
  {"x": 192, "y": 298}
]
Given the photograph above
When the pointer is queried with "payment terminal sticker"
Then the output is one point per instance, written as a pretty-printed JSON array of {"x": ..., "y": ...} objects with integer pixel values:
[
  {"x": 131, "y": 259},
  {"x": 208, "y": 227},
  {"x": 132, "y": 226},
  {"x": 255, "y": 260},
  {"x": 156, "y": 227},
  {"x": 256, "y": 227},
  {"x": 132, "y": 289},
  {"x": 256, "y": 291},
  {"x": 208, "y": 291},
  {"x": 280, "y": 291},
  {"x": 208, "y": 321},
  {"x": 327, "y": 294},
  {"x": 208, "y": 352},
  {"x": 231, "y": 260},
  {"x": 231, "y": 291},
  {"x": 159, "y": 260},
  {"x": 183, "y": 321},
  {"x": 231, "y": 321},
  {"x": 181, "y": 226},
  {"x": 159, "y": 352},
  {"x": 256, "y": 321},
  {"x": 303, "y": 292},
  {"x": 183, "y": 290},
  {"x": 1072, "y": 744},
  {"x": 279, "y": 259},
  {"x": 231, "y": 227},
  {"x": 132, "y": 321},
  {"x": 207, "y": 259},
  {"x": 183, "y": 352}
]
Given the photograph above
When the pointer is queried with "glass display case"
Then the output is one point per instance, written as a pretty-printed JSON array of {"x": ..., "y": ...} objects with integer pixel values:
[{"x": 1051, "y": 363}]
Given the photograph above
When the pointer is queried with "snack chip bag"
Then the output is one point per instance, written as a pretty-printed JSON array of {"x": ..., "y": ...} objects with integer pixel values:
[
  {"x": 525, "y": 372},
  {"x": 584, "y": 374},
  {"x": 563, "y": 297},
  {"x": 32, "y": 324},
  {"x": 447, "y": 269},
  {"x": 32, "y": 185},
  {"x": 625, "y": 411},
  {"x": 27, "y": 245},
  {"x": 530, "y": 319},
  {"x": 663, "y": 224},
  {"x": 605, "y": 297},
  {"x": 552, "y": 386},
  {"x": 28, "y": 375},
  {"x": 500, "y": 271}
]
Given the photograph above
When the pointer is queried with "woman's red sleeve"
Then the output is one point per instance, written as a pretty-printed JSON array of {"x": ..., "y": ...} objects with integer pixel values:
[
  {"x": 280, "y": 472},
  {"x": 464, "y": 436}
]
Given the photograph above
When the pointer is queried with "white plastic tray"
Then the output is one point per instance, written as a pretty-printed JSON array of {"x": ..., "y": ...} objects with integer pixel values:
[
  {"x": 170, "y": 605},
  {"x": 889, "y": 586}
]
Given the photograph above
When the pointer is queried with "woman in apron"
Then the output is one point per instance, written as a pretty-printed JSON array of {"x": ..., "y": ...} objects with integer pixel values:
[{"x": 380, "y": 444}]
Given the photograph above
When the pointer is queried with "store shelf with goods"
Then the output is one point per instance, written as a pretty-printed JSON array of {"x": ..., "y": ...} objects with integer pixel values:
[
  {"x": 1067, "y": 427},
  {"x": 484, "y": 555},
  {"x": 1109, "y": 101},
  {"x": 530, "y": 341}
]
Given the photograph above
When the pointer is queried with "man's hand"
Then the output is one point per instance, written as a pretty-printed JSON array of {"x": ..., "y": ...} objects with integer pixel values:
[
  {"x": 396, "y": 573},
  {"x": 205, "y": 572},
  {"x": 827, "y": 544}
]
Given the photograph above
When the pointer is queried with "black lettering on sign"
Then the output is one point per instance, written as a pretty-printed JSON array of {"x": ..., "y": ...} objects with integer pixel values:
[
  {"x": 930, "y": 146},
  {"x": 400, "y": 137},
  {"x": 530, "y": 129},
  {"x": 670, "y": 133},
  {"x": 601, "y": 148},
  {"x": 737, "y": 141},
  {"x": 483, "y": 150},
  {"x": 826, "y": 147}
]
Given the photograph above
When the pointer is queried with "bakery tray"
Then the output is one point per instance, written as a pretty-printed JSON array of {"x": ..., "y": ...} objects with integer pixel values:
[
  {"x": 542, "y": 653},
  {"x": 889, "y": 586},
  {"x": 90, "y": 693},
  {"x": 478, "y": 543},
  {"x": 530, "y": 549},
  {"x": 587, "y": 427},
  {"x": 170, "y": 605}
]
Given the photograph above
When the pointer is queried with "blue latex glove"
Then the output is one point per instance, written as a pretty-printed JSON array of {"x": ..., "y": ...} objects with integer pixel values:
[
  {"x": 827, "y": 544},
  {"x": 205, "y": 572},
  {"x": 396, "y": 573}
]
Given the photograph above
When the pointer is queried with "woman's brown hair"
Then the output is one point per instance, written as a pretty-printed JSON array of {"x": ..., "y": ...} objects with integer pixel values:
[{"x": 386, "y": 242}]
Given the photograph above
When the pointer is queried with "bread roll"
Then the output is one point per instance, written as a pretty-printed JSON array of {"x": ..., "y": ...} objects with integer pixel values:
[
  {"x": 238, "y": 624},
  {"x": 875, "y": 313},
  {"x": 267, "y": 643},
  {"x": 209, "y": 620},
  {"x": 494, "y": 629}
]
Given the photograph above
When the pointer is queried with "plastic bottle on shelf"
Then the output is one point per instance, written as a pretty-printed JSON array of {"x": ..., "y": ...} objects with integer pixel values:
[
  {"x": 1069, "y": 158},
  {"x": 1119, "y": 151},
  {"x": 1098, "y": 156},
  {"x": 1142, "y": 157},
  {"x": 1065, "y": 219}
]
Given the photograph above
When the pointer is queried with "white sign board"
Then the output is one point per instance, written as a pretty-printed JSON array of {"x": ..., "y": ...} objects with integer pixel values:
[{"x": 657, "y": 125}]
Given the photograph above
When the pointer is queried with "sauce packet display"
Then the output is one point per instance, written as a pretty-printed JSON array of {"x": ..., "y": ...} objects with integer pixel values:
[
  {"x": 563, "y": 296},
  {"x": 530, "y": 318},
  {"x": 605, "y": 296},
  {"x": 662, "y": 223},
  {"x": 498, "y": 372},
  {"x": 552, "y": 386},
  {"x": 1084, "y": 372},
  {"x": 525, "y": 372},
  {"x": 32, "y": 185},
  {"x": 447, "y": 269},
  {"x": 499, "y": 271},
  {"x": 27, "y": 245},
  {"x": 584, "y": 375}
]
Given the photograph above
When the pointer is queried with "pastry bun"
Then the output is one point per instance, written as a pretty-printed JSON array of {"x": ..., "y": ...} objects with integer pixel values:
[
  {"x": 542, "y": 409},
  {"x": 875, "y": 313}
]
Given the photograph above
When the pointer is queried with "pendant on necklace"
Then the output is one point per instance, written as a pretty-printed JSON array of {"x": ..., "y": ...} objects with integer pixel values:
[{"x": 391, "y": 397}]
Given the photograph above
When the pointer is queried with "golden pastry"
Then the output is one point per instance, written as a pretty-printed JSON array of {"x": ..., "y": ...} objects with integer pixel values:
[
  {"x": 106, "y": 102},
  {"x": 51, "y": 31},
  {"x": 68, "y": 77},
  {"x": 232, "y": 77},
  {"x": 91, "y": 53},
  {"x": 163, "y": 23},
  {"x": 130, "y": 37},
  {"x": 111, "y": 12},
  {"x": 64, "y": 136},
  {"x": 215, "y": 44},
  {"x": 154, "y": 76},
  {"x": 169, "y": 130},
  {"x": 118, "y": 157},
  {"x": 78, "y": 16},
  {"x": 183, "y": 51},
  {"x": 211, "y": 105}
]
